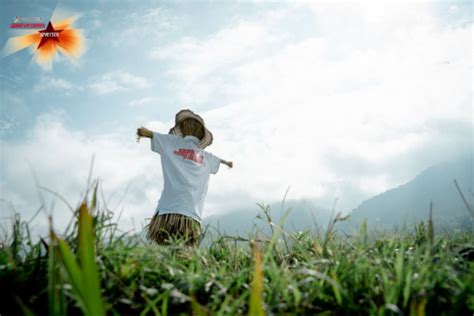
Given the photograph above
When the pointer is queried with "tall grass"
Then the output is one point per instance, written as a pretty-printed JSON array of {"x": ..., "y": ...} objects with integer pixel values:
[
  {"x": 90, "y": 269},
  {"x": 81, "y": 270}
]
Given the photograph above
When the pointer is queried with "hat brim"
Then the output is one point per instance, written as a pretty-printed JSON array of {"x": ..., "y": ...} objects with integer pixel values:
[{"x": 205, "y": 141}]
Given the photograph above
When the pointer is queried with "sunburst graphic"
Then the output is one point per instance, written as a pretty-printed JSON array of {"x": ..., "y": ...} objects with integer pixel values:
[{"x": 60, "y": 36}]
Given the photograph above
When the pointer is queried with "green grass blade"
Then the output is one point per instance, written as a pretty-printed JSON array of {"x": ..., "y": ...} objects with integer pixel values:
[
  {"x": 73, "y": 271},
  {"x": 53, "y": 307},
  {"x": 198, "y": 309},
  {"x": 94, "y": 198},
  {"x": 86, "y": 256},
  {"x": 256, "y": 295},
  {"x": 335, "y": 287},
  {"x": 164, "y": 304},
  {"x": 26, "y": 311},
  {"x": 430, "y": 226},
  {"x": 57, "y": 299}
]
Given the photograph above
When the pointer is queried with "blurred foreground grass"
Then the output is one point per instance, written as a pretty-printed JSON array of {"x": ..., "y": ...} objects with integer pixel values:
[{"x": 92, "y": 269}]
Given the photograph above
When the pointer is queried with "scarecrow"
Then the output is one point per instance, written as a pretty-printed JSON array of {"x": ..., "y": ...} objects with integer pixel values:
[{"x": 186, "y": 170}]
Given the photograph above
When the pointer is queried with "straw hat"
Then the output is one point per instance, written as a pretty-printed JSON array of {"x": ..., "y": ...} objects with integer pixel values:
[{"x": 205, "y": 141}]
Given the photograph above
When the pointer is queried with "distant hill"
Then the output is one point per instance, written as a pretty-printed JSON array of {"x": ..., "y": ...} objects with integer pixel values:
[
  {"x": 304, "y": 215},
  {"x": 410, "y": 202},
  {"x": 407, "y": 204}
]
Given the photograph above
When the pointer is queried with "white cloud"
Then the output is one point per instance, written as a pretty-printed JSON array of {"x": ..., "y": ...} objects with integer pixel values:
[
  {"x": 142, "y": 101},
  {"x": 118, "y": 81},
  {"x": 225, "y": 46},
  {"x": 52, "y": 83},
  {"x": 369, "y": 83},
  {"x": 14, "y": 112},
  {"x": 61, "y": 158},
  {"x": 202, "y": 63},
  {"x": 143, "y": 25},
  {"x": 5, "y": 126}
]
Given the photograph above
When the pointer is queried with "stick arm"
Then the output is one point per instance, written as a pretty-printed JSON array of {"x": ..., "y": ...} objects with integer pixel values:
[
  {"x": 143, "y": 132},
  {"x": 229, "y": 164}
]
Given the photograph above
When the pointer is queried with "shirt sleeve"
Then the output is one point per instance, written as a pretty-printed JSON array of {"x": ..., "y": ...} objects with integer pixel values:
[
  {"x": 213, "y": 162},
  {"x": 159, "y": 142}
]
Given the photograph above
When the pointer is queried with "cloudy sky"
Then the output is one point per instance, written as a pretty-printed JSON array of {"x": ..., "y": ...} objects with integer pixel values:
[{"x": 332, "y": 99}]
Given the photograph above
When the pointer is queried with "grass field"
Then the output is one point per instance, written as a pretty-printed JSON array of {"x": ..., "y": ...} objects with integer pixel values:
[{"x": 93, "y": 269}]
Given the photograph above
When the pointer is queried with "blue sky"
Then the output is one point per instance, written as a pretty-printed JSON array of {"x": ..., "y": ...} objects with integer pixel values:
[
  {"x": 120, "y": 35},
  {"x": 331, "y": 99}
]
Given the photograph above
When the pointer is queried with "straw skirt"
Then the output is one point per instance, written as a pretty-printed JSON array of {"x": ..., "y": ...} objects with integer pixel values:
[{"x": 167, "y": 228}]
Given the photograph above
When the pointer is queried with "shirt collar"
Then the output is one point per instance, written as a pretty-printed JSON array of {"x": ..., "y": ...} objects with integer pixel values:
[{"x": 192, "y": 138}]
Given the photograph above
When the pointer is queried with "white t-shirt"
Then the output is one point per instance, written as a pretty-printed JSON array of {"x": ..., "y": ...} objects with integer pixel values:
[{"x": 186, "y": 170}]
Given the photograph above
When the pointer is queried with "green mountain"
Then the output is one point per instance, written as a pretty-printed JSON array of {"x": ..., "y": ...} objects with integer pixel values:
[
  {"x": 399, "y": 206},
  {"x": 411, "y": 201},
  {"x": 303, "y": 215}
]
